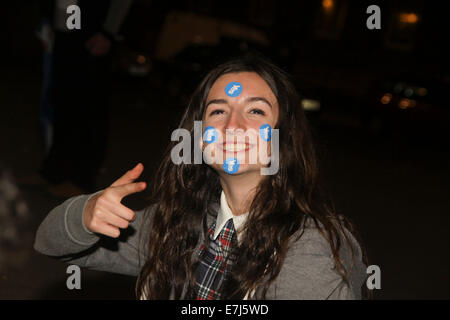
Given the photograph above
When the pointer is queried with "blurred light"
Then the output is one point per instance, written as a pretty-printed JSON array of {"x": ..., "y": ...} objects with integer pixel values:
[
  {"x": 328, "y": 4},
  {"x": 198, "y": 39},
  {"x": 310, "y": 105},
  {"x": 406, "y": 103},
  {"x": 409, "y": 92},
  {"x": 399, "y": 87},
  {"x": 141, "y": 59},
  {"x": 138, "y": 70},
  {"x": 422, "y": 92},
  {"x": 386, "y": 98},
  {"x": 408, "y": 17}
]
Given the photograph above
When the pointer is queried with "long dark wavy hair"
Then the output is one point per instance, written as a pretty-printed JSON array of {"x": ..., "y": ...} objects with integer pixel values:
[{"x": 183, "y": 195}]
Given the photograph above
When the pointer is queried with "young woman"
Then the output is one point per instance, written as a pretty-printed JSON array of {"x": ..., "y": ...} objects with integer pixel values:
[{"x": 214, "y": 231}]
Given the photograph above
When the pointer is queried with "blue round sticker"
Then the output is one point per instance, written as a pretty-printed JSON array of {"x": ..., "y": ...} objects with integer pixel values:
[
  {"x": 231, "y": 165},
  {"x": 210, "y": 134},
  {"x": 233, "y": 89},
  {"x": 265, "y": 131}
]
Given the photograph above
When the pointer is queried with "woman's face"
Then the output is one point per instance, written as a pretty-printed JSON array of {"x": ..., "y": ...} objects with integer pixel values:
[{"x": 239, "y": 110}]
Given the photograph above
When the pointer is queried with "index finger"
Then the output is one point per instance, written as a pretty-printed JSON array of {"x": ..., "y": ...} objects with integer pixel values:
[
  {"x": 129, "y": 176},
  {"x": 127, "y": 189}
]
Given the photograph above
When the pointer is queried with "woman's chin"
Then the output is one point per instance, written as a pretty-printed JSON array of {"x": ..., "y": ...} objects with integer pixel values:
[{"x": 243, "y": 169}]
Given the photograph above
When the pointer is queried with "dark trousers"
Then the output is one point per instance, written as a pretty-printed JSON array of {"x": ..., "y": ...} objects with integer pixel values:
[{"x": 80, "y": 93}]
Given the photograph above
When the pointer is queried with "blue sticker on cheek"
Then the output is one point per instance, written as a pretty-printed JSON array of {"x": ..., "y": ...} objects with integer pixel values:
[
  {"x": 233, "y": 89},
  {"x": 210, "y": 135},
  {"x": 265, "y": 132},
  {"x": 231, "y": 165}
]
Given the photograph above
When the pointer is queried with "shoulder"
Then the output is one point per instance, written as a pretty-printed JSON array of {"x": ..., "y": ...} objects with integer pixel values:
[
  {"x": 309, "y": 270},
  {"x": 312, "y": 240}
]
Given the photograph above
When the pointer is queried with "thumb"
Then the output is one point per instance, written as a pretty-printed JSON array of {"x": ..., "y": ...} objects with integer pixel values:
[{"x": 129, "y": 176}]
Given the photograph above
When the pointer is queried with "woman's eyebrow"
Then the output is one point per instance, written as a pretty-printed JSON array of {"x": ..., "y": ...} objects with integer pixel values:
[
  {"x": 255, "y": 99},
  {"x": 216, "y": 101},
  {"x": 251, "y": 99}
]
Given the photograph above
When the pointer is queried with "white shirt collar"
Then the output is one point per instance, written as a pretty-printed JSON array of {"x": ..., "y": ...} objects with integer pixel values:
[{"x": 225, "y": 214}]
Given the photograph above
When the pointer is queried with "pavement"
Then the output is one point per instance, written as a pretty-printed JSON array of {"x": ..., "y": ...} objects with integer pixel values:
[{"x": 395, "y": 190}]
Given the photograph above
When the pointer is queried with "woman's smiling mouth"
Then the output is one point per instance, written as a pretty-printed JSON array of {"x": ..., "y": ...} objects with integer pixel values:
[{"x": 235, "y": 147}]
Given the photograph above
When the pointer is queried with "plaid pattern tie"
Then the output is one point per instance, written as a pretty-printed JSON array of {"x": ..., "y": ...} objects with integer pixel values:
[{"x": 216, "y": 262}]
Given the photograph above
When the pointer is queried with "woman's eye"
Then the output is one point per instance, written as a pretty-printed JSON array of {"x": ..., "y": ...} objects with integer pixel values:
[
  {"x": 218, "y": 111},
  {"x": 257, "y": 111}
]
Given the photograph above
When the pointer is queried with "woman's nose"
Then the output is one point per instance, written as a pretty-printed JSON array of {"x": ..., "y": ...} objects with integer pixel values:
[{"x": 235, "y": 122}]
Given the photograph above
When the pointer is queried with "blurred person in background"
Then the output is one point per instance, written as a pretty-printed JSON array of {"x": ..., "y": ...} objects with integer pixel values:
[
  {"x": 74, "y": 110},
  {"x": 44, "y": 33}
]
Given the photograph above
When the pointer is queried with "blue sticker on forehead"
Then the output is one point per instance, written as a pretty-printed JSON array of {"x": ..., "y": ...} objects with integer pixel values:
[
  {"x": 210, "y": 134},
  {"x": 233, "y": 89},
  {"x": 231, "y": 165},
  {"x": 265, "y": 131}
]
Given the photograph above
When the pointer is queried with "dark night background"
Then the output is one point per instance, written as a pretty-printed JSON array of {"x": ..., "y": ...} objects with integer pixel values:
[{"x": 382, "y": 130}]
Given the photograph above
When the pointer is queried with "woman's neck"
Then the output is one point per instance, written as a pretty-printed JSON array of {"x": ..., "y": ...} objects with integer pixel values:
[{"x": 240, "y": 190}]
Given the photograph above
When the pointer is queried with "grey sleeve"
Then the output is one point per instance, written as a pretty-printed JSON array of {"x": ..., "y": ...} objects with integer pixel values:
[
  {"x": 309, "y": 272},
  {"x": 62, "y": 235}
]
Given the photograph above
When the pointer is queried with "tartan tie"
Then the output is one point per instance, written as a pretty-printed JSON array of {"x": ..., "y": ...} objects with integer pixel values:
[{"x": 216, "y": 263}]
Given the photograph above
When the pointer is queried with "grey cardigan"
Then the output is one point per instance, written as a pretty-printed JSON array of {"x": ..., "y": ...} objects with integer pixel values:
[{"x": 307, "y": 273}]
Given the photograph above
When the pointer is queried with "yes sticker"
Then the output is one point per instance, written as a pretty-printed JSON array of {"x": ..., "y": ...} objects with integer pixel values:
[
  {"x": 210, "y": 134},
  {"x": 233, "y": 89},
  {"x": 231, "y": 165},
  {"x": 265, "y": 131}
]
